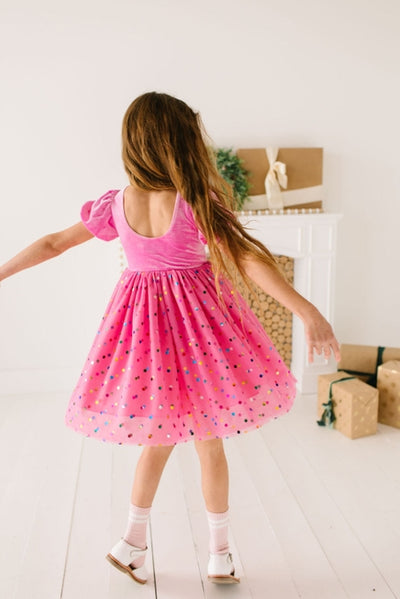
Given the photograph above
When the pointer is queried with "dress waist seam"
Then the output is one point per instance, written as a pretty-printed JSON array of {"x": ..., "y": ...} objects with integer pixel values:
[{"x": 171, "y": 268}]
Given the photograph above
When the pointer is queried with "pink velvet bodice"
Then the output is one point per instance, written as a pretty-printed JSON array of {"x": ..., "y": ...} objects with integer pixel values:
[{"x": 182, "y": 246}]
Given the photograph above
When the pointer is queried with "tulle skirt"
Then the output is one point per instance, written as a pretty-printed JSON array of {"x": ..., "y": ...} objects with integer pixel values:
[{"x": 174, "y": 361}]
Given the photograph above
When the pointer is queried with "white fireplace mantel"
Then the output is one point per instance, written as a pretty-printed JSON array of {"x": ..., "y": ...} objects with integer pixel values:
[{"x": 311, "y": 240}]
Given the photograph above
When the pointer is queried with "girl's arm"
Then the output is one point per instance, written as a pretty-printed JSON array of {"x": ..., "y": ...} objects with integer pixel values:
[
  {"x": 318, "y": 331},
  {"x": 45, "y": 248}
]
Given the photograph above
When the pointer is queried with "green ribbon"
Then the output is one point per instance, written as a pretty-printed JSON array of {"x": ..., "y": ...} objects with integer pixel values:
[
  {"x": 372, "y": 377},
  {"x": 328, "y": 416}
]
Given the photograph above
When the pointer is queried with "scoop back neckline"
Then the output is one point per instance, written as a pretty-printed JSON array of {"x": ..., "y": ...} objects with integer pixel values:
[{"x": 171, "y": 224}]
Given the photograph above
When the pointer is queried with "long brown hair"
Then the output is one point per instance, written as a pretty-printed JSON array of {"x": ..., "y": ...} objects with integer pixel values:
[{"x": 164, "y": 147}]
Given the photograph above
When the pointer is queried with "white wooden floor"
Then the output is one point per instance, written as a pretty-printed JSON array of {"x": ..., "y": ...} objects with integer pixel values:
[{"x": 313, "y": 514}]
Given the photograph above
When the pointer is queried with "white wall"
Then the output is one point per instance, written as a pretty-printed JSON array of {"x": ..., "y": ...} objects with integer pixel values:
[{"x": 312, "y": 73}]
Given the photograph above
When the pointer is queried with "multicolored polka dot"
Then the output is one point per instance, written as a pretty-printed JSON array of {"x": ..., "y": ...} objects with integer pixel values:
[{"x": 190, "y": 360}]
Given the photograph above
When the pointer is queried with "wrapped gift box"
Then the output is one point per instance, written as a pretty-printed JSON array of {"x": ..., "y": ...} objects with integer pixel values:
[
  {"x": 363, "y": 360},
  {"x": 389, "y": 393},
  {"x": 354, "y": 404},
  {"x": 301, "y": 166}
]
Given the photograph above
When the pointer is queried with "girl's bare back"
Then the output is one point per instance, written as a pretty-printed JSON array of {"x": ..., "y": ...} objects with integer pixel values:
[{"x": 149, "y": 213}]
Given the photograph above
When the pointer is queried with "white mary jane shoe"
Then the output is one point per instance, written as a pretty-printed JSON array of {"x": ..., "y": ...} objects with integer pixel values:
[
  {"x": 122, "y": 555},
  {"x": 221, "y": 569}
]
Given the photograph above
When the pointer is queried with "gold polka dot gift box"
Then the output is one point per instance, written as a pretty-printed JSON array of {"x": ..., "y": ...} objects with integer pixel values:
[
  {"x": 389, "y": 393},
  {"x": 363, "y": 361},
  {"x": 347, "y": 404}
]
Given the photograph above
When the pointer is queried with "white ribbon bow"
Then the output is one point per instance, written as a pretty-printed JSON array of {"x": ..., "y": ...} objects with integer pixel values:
[{"x": 276, "y": 178}]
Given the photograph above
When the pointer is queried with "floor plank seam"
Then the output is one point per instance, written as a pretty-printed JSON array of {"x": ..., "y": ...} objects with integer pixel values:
[
  {"x": 188, "y": 514},
  {"x": 72, "y": 519},
  {"x": 270, "y": 524},
  {"x": 152, "y": 559},
  {"x": 315, "y": 532},
  {"x": 296, "y": 501},
  {"x": 346, "y": 520}
]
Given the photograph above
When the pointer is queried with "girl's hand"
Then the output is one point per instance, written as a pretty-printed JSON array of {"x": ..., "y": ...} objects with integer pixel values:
[{"x": 319, "y": 335}]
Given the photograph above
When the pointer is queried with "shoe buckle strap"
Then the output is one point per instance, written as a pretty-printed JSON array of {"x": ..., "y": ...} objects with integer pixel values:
[{"x": 137, "y": 552}]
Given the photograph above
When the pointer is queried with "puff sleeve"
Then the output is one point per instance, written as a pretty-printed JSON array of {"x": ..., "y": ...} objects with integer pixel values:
[{"x": 98, "y": 218}]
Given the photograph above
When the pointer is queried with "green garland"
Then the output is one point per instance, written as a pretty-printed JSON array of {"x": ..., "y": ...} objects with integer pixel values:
[{"x": 230, "y": 167}]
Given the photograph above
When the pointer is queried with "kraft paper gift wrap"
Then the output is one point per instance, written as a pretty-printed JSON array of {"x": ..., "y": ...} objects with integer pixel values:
[
  {"x": 389, "y": 393},
  {"x": 354, "y": 404},
  {"x": 363, "y": 360},
  {"x": 282, "y": 178}
]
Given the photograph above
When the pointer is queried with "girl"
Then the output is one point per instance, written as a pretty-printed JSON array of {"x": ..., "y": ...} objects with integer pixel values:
[{"x": 179, "y": 355}]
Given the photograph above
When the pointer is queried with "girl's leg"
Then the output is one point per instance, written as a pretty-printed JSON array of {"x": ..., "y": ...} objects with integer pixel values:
[
  {"x": 214, "y": 474},
  {"x": 147, "y": 477},
  {"x": 148, "y": 473},
  {"x": 215, "y": 486}
]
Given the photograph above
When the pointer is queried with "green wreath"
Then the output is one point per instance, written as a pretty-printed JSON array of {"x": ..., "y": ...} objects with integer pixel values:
[{"x": 230, "y": 167}]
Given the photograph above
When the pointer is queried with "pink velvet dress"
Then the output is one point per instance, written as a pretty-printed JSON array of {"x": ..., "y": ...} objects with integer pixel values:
[{"x": 170, "y": 362}]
